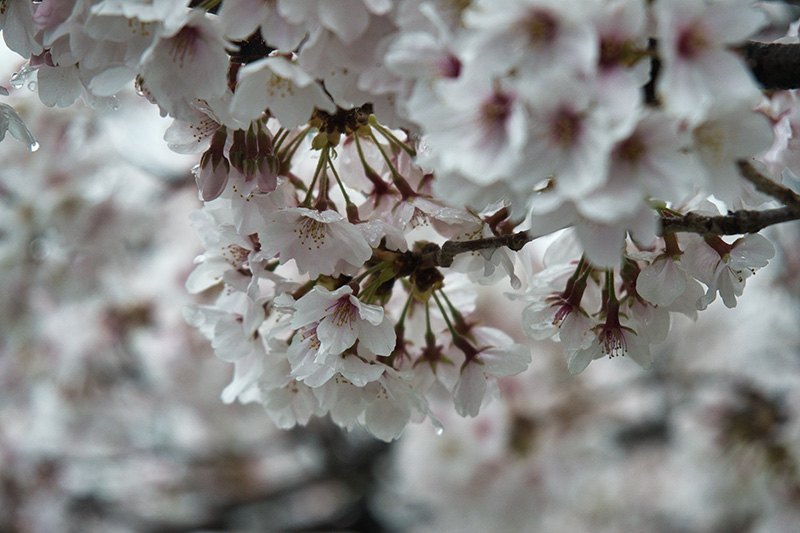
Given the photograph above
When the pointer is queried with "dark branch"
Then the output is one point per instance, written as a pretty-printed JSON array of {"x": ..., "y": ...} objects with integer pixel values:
[
  {"x": 775, "y": 66},
  {"x": 450, "y": 249},
  {"x": 783, "y": 194},
  {"x": 735, "y": 223}
]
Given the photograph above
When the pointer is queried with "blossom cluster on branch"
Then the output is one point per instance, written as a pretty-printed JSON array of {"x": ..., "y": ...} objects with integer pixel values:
[{"x": 366, "y": 163}]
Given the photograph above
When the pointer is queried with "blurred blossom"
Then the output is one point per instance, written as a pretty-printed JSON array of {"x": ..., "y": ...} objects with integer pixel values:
[{"x": 368, "y": 178}]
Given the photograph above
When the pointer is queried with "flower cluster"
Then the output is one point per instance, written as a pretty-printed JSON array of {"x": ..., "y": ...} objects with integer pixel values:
[{"x": 365, "y": 163}]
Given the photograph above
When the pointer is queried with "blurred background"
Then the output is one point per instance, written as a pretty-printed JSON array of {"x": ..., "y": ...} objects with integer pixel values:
[{"x": 110, "y": 417}]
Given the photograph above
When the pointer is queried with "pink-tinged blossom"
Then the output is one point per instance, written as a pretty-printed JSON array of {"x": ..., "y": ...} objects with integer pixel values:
[
  {"x": 649, "y": 163},
  {"x": 278, "y": 84},
  {"x": 290, "y": 404},
  {"x": 241, "y": 18},
  {"x": 497, "y": 356},
  {"x": 186, "y": 64},
  {"x": 537, "y": 35},
  {"x": 731, "y": 132},
  {"x": 570, "y": 137},
  {"x": 423, "y": 52},
  {"x": 211, "y": 175},
  {"x": 724, "y": 267},
  {"x": 342, "y": 319},
  {"x": 225, "y": 248},
  {"x": 190, "y": 136},
  {"x": 383, "y": 407},
  {"x": 314, "y": 367},
  {"x": 472, "y": 126},
  {"x": 559, "y": 313},
  {"x": 662, "y": 281},
  {"x": 316, "y": 240},
  {"x": 621, "y": 70},
  {"x": 617, "y": 336},
  {"x": 697, "y": 67},
  {"x": 347, "y": 19},
  {"x": 19, "y": 33}
]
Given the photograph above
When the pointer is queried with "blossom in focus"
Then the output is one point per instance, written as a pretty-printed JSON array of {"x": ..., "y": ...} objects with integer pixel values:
[
  {"x": 342, "y": 319},
  {"x": 724, "y": 267},
  {"x": 317, "y": 241}
]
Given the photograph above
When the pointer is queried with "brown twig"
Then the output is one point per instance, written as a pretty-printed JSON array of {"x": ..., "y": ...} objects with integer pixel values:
[
  {"x": 783, "y": 194},
  {"x": 735, "y": 223}
]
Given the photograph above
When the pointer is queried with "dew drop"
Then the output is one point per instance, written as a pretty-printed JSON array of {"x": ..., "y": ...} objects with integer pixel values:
[
  {"x": 17, "y": 79},
  {"x": 439, "y": 431},
  {"x": 33, "y": 146},
  {"x": 114, "y": 104},
  {"x": 31, "y": 85}
]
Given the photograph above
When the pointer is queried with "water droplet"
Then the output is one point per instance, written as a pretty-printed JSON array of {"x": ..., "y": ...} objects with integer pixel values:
[
  {"x": 114, "y": 103},
  {"x": 34, "y": 146},
  {"x": 439, "y": 431},
  {"x": 31, "y": 85},
  {"x": 17, "y": 79}
]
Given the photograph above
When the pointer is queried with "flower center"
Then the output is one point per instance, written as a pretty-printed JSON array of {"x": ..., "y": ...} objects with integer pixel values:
[
  {"x": 542, "y": 27},
  {"x": 311, "y": 230},
  {"x": 344, "y": 313},
  {"x": 631, "y": 150},
  {"x": 691, "y": 42},
  {"x": 566, "y": 128},
  {"x": 496, "y": 110},
  {"x": 614, "y": 342},
  {"x": 183, "y": 45}
]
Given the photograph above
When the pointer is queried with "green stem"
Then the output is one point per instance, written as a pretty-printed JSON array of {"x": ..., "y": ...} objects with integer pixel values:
[
  {"x": 401, "y": 321},
  {"x": 398, "y": 180},
  {"x": 288, "y": 153},
  {"x": 444, "y": 315},
  {"x": 320, "y": 165},
  {"x": 391, "y": 137},
  {"x": 281, "y": 136},
  {"x": 371, "y": 270},
  {"x": 341, "y": 185}
]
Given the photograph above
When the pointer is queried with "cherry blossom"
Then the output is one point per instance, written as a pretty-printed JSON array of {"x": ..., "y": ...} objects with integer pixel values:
[
  {"x": 366, "y": 167},
  {"x": 697, "y": 65},
  {"x": 317, "y": 241},
  {"x": 341, "y": 319},
  {"x": 724, "y": 267}
]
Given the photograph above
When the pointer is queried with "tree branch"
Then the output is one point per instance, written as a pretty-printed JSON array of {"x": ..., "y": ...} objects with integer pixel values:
[
  {"x": 735, "y": 223},
  {"x": 783, "y": 194},
  {"x": 775, "y": 66},
  {"x": 443, "y": 257}
]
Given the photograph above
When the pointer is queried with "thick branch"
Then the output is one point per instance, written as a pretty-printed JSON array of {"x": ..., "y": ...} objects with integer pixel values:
[
  {"x": 775, "y": 66},
  {"x": 443, "y": 257},
  {"x": 735, "y": 223}
]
